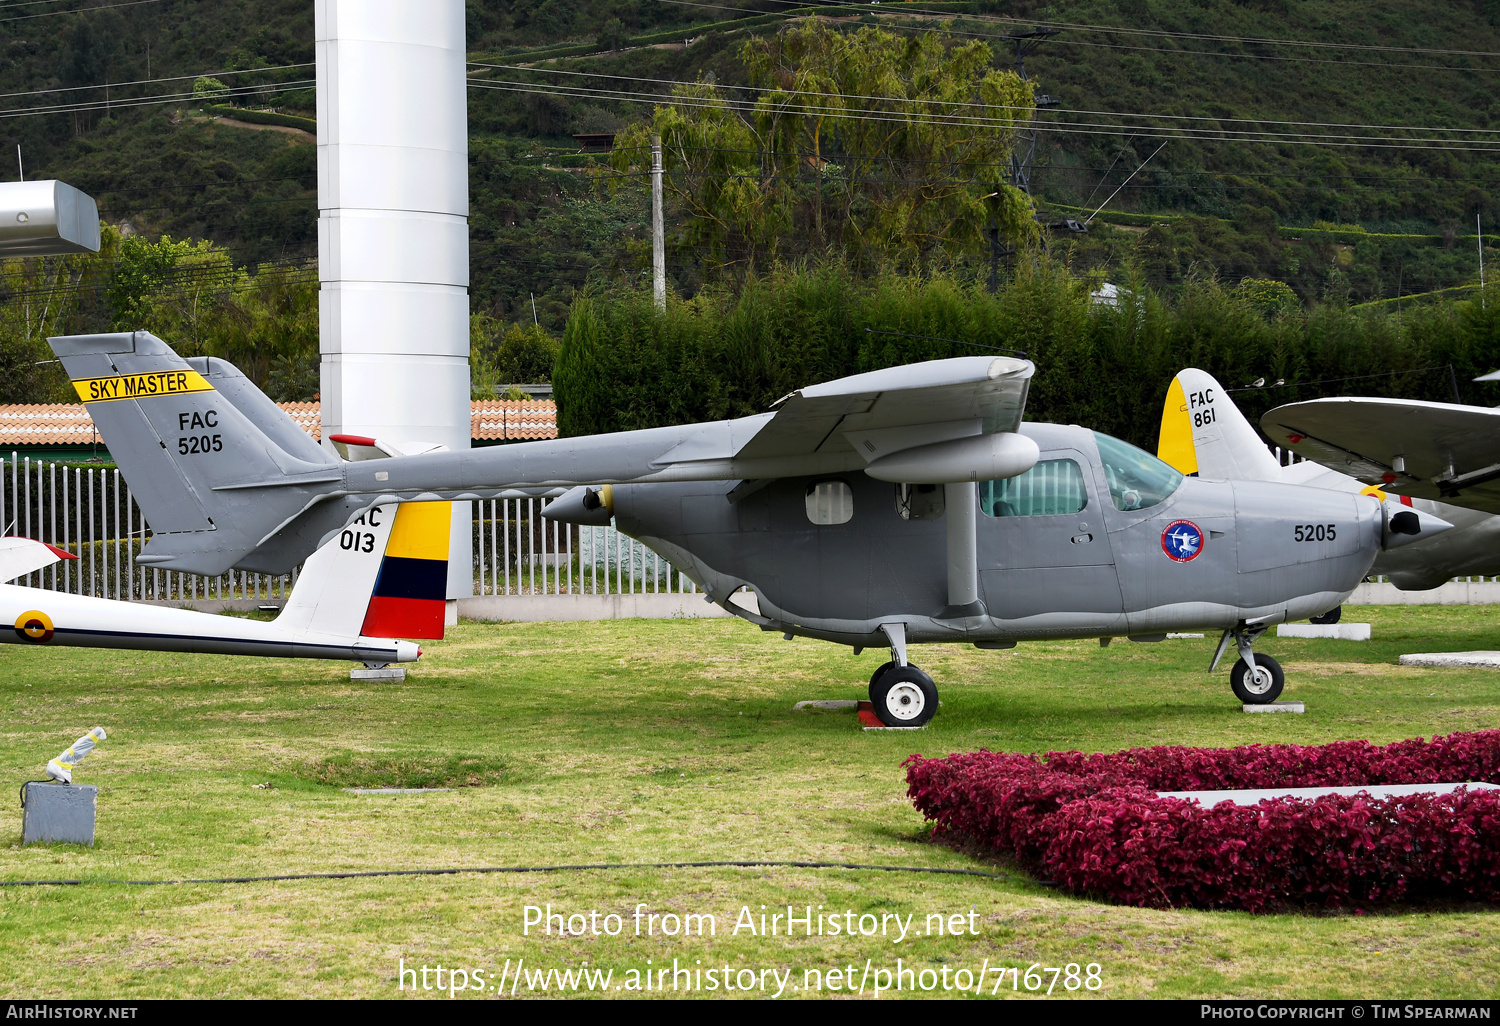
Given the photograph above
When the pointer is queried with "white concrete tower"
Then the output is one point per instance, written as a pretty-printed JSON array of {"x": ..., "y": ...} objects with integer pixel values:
[{"x": 393, "y": 228}]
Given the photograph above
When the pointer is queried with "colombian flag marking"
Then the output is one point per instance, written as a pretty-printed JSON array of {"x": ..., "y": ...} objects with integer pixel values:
[
  {"x": 411, "y": 591},
  {"x": 140, "y": 386}
]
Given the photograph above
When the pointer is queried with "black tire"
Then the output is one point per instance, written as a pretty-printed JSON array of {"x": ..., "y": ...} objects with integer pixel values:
[
  {"x": 905, "y": 697},
  {"x": 1332, "y": 616},
  {"x": 1259, "y": 691},
  {"x": 880, "y": 671}
]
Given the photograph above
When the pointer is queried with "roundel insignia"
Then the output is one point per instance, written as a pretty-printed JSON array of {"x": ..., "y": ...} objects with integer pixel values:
[
  {"x": 1182, "y": 540},
  {"x": 34, "y": 625}
]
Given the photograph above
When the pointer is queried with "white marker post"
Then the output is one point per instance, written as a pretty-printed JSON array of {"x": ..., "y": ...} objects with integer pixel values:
[{"x": 393, "y": 233}]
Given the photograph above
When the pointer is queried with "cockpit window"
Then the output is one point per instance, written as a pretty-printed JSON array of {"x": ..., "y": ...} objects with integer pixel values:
[
  {"x": 1137, "y": 480},
  {"x": 1050, "y": 487}
]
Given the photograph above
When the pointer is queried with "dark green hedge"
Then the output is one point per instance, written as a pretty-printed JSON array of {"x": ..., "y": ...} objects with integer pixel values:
[
  {"x": 623, "y": 365},
  {"x": 264, "y": 117}
]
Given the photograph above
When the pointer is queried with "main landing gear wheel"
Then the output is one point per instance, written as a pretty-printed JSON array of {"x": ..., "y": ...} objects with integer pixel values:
[
  {"x": 880, "y": 671},
  {"x": 1260, "y": 688},
  {"x": 904, "y": 696}
]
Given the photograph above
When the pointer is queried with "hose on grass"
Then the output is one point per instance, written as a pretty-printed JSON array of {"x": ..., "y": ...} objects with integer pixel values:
[{"x": 582, "y": 867}]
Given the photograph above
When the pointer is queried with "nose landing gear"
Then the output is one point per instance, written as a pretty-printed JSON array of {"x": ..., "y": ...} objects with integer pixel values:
[{"x": 1255, "y": 680}]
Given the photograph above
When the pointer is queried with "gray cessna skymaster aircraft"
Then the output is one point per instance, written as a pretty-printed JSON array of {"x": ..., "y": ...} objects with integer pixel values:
[{"x": 900, "y": 506}]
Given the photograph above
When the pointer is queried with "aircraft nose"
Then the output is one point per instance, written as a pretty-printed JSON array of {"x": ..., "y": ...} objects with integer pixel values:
[{"x": 1404, "y": 525}]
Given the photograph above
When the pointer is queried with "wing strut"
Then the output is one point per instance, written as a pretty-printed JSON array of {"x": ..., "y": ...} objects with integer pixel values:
[{"x": 961, "y": 510}]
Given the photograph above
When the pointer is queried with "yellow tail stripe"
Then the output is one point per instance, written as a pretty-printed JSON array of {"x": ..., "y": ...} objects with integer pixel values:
[
  {"x": 140, "y": 386},
  {"x": 421, "y": 531},
  {"x": 1175, "y": 444}
]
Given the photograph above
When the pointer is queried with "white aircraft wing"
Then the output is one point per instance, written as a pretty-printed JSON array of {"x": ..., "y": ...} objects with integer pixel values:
[
  {"x": 1426, "y": 450},
  {"x": 21, "y": 556}
]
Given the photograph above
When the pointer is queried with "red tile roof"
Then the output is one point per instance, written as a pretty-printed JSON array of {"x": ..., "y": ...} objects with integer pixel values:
[
  {"x": 70, "y": 424},
  {"x": 48, "y": 424},
  {"x": 505, "y": 419}
]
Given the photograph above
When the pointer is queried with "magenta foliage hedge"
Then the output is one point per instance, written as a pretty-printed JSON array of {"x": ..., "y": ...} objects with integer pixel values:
[{"x": 1093, "y": 823}]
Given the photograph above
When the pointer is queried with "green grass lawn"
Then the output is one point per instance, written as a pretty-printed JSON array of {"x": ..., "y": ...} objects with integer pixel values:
[{"x": 653, "y": 741}]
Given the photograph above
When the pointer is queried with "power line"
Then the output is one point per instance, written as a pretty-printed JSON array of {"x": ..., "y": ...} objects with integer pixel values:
[
  {"x": 109, "y": 104},
  {"x": 989, "y": 106},
  {"x": 922, "y": 13},
  {"x": 970, "y": 120},
  {"x": 152, "y": 81}
]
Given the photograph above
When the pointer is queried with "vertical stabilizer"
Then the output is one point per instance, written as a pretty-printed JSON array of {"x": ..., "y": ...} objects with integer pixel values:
[
  {"x": 335, "y": 585},
  {"x": 1204, "y": 433}
]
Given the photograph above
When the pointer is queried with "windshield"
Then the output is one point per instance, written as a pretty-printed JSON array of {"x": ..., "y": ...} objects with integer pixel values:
[{"x": 1137, "y": 479}]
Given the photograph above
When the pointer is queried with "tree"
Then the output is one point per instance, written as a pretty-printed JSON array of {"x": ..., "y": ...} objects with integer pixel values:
[{"x": 877, "y": 147}]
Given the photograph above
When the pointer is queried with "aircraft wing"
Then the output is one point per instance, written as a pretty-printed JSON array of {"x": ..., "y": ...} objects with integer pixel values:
[
  {"x": 21, "y": 556},
  {"x": 1426, "y": 450},
  {"x": 884, "y": 411}
]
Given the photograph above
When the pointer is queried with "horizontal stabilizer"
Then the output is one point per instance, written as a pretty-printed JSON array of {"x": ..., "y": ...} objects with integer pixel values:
[{"x": 21, "y": 556}]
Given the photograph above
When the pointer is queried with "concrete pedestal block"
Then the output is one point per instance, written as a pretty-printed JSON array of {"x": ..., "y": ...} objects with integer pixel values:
[
  {"x": 383, "y": 673},
  {"x": 59, "y": 814},
  {"x": 1337, "y": 631},
  {"x": 1485, "y": 659},
  {"x": 1275, "y": 707}
]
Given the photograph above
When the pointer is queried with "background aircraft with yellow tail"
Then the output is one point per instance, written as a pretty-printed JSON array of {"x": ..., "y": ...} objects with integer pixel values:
[{"x": 1203, "y": 433}]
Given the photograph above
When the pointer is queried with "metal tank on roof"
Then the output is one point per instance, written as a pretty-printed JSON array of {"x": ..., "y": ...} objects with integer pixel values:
[{"x": 393, "y": 230}]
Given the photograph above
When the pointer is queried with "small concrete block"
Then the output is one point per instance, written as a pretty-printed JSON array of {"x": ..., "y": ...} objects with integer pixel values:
[
  {"x": 59, "y": 814},
  {"x": 388, "y": 673},
  {"x": 1337, "y": 631},
  {"x": 395, "y": 790},
  {"x": 826, "y": 703},
  {"x": 1275, "y": 707},
  {"x": 1490, "y": 660},
  {"x": 1182, "y": 637}
]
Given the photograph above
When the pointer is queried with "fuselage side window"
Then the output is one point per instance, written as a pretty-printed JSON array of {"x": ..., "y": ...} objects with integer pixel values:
[
  {"x": 1137, "y": 479},
  {"x": 1050, "y": 487},
  {"x": 830, "y": 503}
]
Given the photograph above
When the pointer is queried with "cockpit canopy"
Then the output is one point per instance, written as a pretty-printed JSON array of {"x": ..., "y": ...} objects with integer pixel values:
[{"x": 1137, "y": 479}]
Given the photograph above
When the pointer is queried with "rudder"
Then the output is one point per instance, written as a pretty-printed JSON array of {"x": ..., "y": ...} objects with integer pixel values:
[
  {"x": 1204, "y": 433},
  {"x": 409, "y": 599},
  {"x": 211, "y": 481}
]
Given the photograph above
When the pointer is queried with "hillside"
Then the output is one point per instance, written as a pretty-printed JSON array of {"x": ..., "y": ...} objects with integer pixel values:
[{"x": 542, "y": 225}]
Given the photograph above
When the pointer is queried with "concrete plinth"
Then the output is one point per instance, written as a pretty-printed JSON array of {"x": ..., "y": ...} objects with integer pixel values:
[
  {"x": 1208, "y": 799},
  {"x": 59, "y": 814},
  {"x": 1488, "y": 660},
  {"x": 1274, "y": 707},
  {"x": 1336, "y": 631},
  {"x": 380, "y": 673},
  {"x": 827, "y": 704}
]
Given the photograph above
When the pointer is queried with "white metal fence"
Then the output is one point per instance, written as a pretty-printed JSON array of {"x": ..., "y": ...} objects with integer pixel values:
[
  {"x": 89, "y": 512},
  {"x": 518, "y": 552}
]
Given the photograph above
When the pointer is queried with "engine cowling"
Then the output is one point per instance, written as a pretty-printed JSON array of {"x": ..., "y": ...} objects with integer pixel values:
[{"x": 977, "y": 458}]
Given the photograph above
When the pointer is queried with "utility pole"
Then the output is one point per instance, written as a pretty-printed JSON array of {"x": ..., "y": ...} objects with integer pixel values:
[
  {"x": 992, "y": 230},
  {"x": 658, "y": 241},
  {"x": 1479, "y": 225}
]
